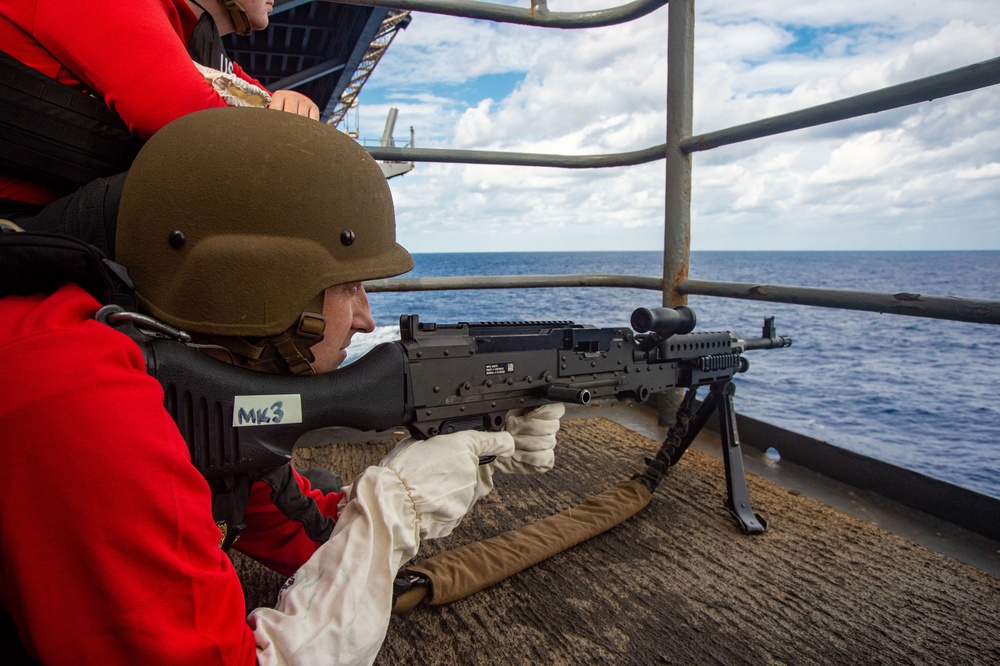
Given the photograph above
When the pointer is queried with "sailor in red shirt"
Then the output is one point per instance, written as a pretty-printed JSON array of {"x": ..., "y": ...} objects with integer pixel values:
[
  {"x": 109, "y": 552},
  {"x": 136, "y": 57}
]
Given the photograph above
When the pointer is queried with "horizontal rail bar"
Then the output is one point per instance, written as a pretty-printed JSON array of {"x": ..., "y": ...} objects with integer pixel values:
[
  {"x": 957, "y": 81},
  {"x": 512, "y": 282},
  {"x": 971, "y": 310},
  {"x": 964, "y": 79},
  {"x": 538, "y": 15},
  {"x": 453, "y": 156}
]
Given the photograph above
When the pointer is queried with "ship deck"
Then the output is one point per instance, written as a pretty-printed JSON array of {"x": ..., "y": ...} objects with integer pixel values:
[{"x": 839, "y": 577}]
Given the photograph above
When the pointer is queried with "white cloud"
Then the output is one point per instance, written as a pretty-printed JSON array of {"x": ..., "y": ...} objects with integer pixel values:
[
  {"x": 991, "y": 170},
  {"x": 880, "y": 181}
]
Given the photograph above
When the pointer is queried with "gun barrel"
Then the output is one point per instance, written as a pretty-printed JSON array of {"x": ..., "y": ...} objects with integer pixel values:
[{"x": 776, "y": 342}]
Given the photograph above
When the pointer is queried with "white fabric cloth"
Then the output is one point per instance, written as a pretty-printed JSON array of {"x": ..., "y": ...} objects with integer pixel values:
[
  {"x": 335, "y": 609},
  {"x": 444, "y": 477},
  {"x": 534, "y": 433},
  {"x": 234, "y": 90}
]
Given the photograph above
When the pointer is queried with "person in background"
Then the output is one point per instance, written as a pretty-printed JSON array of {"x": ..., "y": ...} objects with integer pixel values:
[
  {"x": 93, "y": 80},
  {"x": 253, "y": 230}
]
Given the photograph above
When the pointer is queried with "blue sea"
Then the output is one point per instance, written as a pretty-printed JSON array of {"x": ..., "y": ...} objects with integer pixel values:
[{"x": 919, "y": 393}]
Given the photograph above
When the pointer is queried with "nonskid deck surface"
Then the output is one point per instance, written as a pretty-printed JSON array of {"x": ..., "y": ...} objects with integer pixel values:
[{"x": 679, "y": 583}]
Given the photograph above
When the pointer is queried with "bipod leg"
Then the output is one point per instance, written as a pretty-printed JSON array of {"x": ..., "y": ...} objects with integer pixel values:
[
  {"x": 738, "y": 497},
  {"x": 697, "y": 422}
]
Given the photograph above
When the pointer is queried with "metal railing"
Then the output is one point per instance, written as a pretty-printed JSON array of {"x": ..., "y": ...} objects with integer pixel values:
[
  {"x": 675, "y": 284},
  {"x": 537, "y": 15},
  {"x": 976, "y": 311}
]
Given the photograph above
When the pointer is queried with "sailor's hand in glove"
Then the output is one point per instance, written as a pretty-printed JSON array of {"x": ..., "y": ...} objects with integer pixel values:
[
  {"x": 534, "y": 433},
  {"x": 335, "y": 609},
  {"x": 443, "y": 477}
]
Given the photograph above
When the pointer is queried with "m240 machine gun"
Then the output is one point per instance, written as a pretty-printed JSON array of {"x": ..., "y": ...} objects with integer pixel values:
[{"x": 441, "y": 378}]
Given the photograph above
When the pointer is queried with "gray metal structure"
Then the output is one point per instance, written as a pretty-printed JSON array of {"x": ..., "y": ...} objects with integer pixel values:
[
  {"x": 537, "y": 15},
  {"x": 324, "y": 50}
]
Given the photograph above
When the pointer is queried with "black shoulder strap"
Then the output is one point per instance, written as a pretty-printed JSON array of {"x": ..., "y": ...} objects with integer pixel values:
[
  {"x": 40, "y": 263},
  {"x": 206, "y": 46},
  {"x": 53, "y": 131}
]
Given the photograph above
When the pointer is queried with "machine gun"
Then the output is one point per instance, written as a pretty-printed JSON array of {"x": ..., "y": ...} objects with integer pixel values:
[{"x": 441, "y": 378}]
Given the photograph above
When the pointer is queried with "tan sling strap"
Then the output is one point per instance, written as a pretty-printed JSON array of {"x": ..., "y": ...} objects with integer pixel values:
[{"x": 458, "y": 573}]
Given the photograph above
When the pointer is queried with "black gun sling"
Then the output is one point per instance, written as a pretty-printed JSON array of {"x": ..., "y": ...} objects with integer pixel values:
[
  {"x": 40, "y": 263},
  {"x": 52, "y": 131}
]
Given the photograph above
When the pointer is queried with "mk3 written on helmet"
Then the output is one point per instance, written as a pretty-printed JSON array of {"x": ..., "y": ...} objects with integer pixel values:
[{"x": 234, "y": 221}]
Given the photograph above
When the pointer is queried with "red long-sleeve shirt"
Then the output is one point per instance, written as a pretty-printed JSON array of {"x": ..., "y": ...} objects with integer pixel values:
[
  {"x": 108, "y": 550},
  {"x": 133, "y": 55}
]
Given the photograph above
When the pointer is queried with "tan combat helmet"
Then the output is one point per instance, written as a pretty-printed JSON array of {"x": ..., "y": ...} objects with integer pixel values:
[{"x": 234, "y": 221}]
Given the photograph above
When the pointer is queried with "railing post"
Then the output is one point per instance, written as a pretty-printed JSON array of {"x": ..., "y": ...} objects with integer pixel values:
[{"x": 677, "y": 211}]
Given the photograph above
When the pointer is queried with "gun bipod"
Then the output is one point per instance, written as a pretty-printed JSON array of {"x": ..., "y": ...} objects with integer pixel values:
[
  {"x": 683, "y": 433},
  {"x": 720, "y": 397}
]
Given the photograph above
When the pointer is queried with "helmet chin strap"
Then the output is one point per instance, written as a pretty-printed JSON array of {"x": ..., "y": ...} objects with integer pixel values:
[
  {"x": 288, "y": 351},
  {"x": 293, "y": 346},
  {"x": 240, "y": 17}
]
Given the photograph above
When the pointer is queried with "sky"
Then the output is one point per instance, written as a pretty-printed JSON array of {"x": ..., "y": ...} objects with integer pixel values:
[{"x": 924, "y": 177}]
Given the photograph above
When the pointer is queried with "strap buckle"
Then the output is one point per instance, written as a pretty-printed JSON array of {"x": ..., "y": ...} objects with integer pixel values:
[{"x": 310, "y": 326}]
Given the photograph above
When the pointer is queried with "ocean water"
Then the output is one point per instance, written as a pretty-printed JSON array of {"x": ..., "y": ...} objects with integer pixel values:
[{"x": 919, "y": 393}]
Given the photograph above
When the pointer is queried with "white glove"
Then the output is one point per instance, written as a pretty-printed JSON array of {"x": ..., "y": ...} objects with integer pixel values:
[
  {"x": 443, "y": 475},
  {"x": 534, "y": 434},
  {"x": 335, "y": 609}
]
